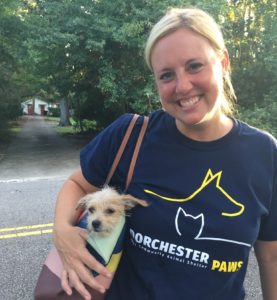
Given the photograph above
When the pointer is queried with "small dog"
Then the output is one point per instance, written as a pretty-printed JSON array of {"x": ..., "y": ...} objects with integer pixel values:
[{"x": 105, "y": 207}]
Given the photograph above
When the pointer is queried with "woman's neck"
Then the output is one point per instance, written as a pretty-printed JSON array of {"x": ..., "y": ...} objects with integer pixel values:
[{"x": 208, "y": 130}]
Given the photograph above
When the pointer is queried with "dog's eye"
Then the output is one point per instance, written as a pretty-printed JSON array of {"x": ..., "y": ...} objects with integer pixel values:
[
  {"x": 109, "y": 211},
  {"x": 91, "y": 209}
]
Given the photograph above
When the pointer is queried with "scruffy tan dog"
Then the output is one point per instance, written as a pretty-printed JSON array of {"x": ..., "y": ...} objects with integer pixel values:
[{"x": 105, "y": 208}]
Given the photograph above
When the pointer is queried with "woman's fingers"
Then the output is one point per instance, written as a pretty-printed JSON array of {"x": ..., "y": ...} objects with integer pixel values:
[
  {"x": 85, "y": 275},
  {"x": 77, "y": 282},
  {"x": 78, "y": 274},
  {"x": 83, "y": 233},
  {"x": 78, "y": 285},
  {"x": 65, "y": 282},
  {"x": 93, "y": 264},
  {"x": 81, "y": 261},
  {"x": 78, "y": 262}
]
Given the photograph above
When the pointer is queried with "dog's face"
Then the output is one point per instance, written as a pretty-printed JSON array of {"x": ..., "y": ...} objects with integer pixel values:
[{"x": 105, "y": 208}]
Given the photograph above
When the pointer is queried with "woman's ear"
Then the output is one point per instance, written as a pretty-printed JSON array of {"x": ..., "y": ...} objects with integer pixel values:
[{"x": 225, "y": 62}]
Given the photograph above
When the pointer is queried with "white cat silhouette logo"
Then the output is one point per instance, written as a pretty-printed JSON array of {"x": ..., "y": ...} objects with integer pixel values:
[
  {"x": 182, "y": 213},
  {"x": 226, "y": 206}
]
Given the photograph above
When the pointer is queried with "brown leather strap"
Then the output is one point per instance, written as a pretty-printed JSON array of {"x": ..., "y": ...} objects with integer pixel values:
[
  {"x": 136, "y": 152},
  {"x": 121, "y": 148}
]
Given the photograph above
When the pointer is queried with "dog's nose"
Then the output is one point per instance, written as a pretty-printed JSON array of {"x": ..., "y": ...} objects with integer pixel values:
[{"x": 96, "y": 224}]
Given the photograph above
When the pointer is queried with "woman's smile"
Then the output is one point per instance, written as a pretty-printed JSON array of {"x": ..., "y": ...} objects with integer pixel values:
[{"x": 188, "y": 103}]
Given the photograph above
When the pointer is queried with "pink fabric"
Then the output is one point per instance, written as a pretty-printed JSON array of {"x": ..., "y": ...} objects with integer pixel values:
[{"x": 54, "y": 263}]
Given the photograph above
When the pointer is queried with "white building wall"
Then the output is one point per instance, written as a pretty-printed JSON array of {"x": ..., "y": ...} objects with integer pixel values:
[{"x": 37, "y": 106}]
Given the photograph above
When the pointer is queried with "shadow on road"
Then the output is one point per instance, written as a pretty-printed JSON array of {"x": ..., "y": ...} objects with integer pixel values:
[{"x": 39, "y": 152}]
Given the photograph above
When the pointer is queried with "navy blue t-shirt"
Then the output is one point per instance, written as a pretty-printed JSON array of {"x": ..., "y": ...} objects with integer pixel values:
[{"x": 209, "y": 203}]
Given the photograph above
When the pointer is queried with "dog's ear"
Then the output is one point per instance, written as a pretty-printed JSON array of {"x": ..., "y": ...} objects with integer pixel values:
[
  {"x": 130, "y": 202},
  {"x": 82, "y": 203}
]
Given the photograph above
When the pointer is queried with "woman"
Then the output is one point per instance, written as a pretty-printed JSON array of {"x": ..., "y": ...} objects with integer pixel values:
[{"x": 210, "y": 179}]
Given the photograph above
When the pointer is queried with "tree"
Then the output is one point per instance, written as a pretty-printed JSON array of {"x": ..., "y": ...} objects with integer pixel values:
[
  {"x": 252, "y": 45},
  {"x": 92, "y": 52},
  {"x": 11, "y": 53}
]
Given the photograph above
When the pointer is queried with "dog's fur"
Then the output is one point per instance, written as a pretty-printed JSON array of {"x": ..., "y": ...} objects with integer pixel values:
[{"x": 105, "y": 207}]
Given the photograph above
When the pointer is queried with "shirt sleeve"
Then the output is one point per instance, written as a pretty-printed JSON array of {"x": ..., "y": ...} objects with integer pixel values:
[
  {"x": 97, "y": 157},
  {"x": 268, "y": 228}
]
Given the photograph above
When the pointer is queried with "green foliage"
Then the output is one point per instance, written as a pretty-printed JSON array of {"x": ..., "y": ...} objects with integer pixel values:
[
  {"x": 90, "y": 53},
  {"x": 252, "y": 43},
  {"x": 263, "y": 117},
  {"x": 53, "y": 111},
  {"x": 11, "y": 32},
  {"x": 9, "y": 111},
  {"x": 85, "y": 125}
]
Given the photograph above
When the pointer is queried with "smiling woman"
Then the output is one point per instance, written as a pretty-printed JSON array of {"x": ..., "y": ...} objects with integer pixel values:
[
  {"x": 203, "y": 25},
  {"x": 190, "y": 83},
  {"x": 191, "y": 68},
  {"x": 210, "y": 180}
]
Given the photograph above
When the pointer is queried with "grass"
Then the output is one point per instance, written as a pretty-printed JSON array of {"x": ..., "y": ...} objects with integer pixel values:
[
  {"x": 89, "y": 127},
  {"x": 10, "y": 129},
  {"x": 71, "y": 132},
  {"x": 64, "y": 130},
  {"x": 7, "y": 131}
]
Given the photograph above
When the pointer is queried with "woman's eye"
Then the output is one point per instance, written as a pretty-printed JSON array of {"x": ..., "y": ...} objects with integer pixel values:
[
  {"x": 195, "y": 67},
  {"x": 166, "y": 76}
]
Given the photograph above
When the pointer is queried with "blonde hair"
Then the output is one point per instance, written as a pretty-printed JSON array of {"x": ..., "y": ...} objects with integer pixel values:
[{"x": 203, "y": 24}]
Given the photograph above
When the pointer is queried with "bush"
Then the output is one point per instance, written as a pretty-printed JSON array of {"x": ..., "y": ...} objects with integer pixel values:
[
  {"x": 262, "y": 117},
  {"x": 10, "y": 111},
  {"x": 53, "y": 112},
  {"x": 84, "y": 125}
]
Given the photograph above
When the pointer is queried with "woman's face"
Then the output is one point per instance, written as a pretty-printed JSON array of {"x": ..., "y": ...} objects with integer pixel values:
[{"x": 189, "y": 79}]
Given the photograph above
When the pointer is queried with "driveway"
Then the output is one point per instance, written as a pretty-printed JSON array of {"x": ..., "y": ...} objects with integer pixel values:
[{"x": 38, "y": 152}]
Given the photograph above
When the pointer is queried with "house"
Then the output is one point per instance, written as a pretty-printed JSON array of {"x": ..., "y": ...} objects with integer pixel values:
[{"x": 36, "y": 106}]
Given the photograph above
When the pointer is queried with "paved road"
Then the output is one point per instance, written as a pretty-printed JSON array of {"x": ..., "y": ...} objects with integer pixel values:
[
  {"x": 37, "y": 163},
  {"x": 35, "y": 166},
  {"x": 38, "y": 152}
]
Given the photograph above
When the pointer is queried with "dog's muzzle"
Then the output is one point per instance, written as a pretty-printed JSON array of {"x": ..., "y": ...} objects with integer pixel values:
[{"x": 96, "y": 224}]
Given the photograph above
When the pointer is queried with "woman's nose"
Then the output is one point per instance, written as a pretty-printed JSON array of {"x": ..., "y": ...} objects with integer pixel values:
[{"x": 183, "y": 84}]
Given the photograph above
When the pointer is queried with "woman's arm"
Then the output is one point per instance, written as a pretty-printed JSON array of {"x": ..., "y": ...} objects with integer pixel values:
[
  {"x": 70, "y": 241},
  {"x": 266, "y": 253}
]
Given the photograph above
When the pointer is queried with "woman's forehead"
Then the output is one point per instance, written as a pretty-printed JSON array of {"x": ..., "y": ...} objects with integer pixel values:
[{"x": 183, "y": 44}]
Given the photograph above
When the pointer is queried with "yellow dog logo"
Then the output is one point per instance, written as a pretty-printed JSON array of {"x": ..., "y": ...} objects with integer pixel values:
[
  {"x": 211, "y": 181},
  {"x": 209, "y": 178}
]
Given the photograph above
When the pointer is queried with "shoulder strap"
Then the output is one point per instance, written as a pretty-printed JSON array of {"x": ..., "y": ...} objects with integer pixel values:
[
  {"x": 122, "y": 148},
  {"x": 136, "y": 152}
]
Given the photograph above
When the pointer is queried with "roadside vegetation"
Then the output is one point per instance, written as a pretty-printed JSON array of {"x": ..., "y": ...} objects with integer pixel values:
[
  {"x": 88, "y": 56},
  {"x": 75, "y": 127},
  {"x": 7, "y": 132}
]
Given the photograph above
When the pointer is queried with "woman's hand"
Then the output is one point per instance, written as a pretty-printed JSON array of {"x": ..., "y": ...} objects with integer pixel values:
[{"x": 70, "y": 242}]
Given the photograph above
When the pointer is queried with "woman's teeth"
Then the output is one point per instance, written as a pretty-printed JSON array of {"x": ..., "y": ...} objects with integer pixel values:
[{"x": 189, "y": 102}]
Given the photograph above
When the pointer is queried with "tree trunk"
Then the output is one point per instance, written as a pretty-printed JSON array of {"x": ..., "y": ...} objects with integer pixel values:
[{"x": 64, "y": 113}]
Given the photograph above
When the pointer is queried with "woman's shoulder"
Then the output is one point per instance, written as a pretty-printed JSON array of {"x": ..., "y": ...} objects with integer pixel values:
[
  {"x": 156, "y": 118},
  {"x": 255, "y": 133},
  {"x": 257, "y": 140}
]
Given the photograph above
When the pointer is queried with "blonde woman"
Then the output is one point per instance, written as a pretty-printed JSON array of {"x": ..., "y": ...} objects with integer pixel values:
[{"x": 210, "y": 179}]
